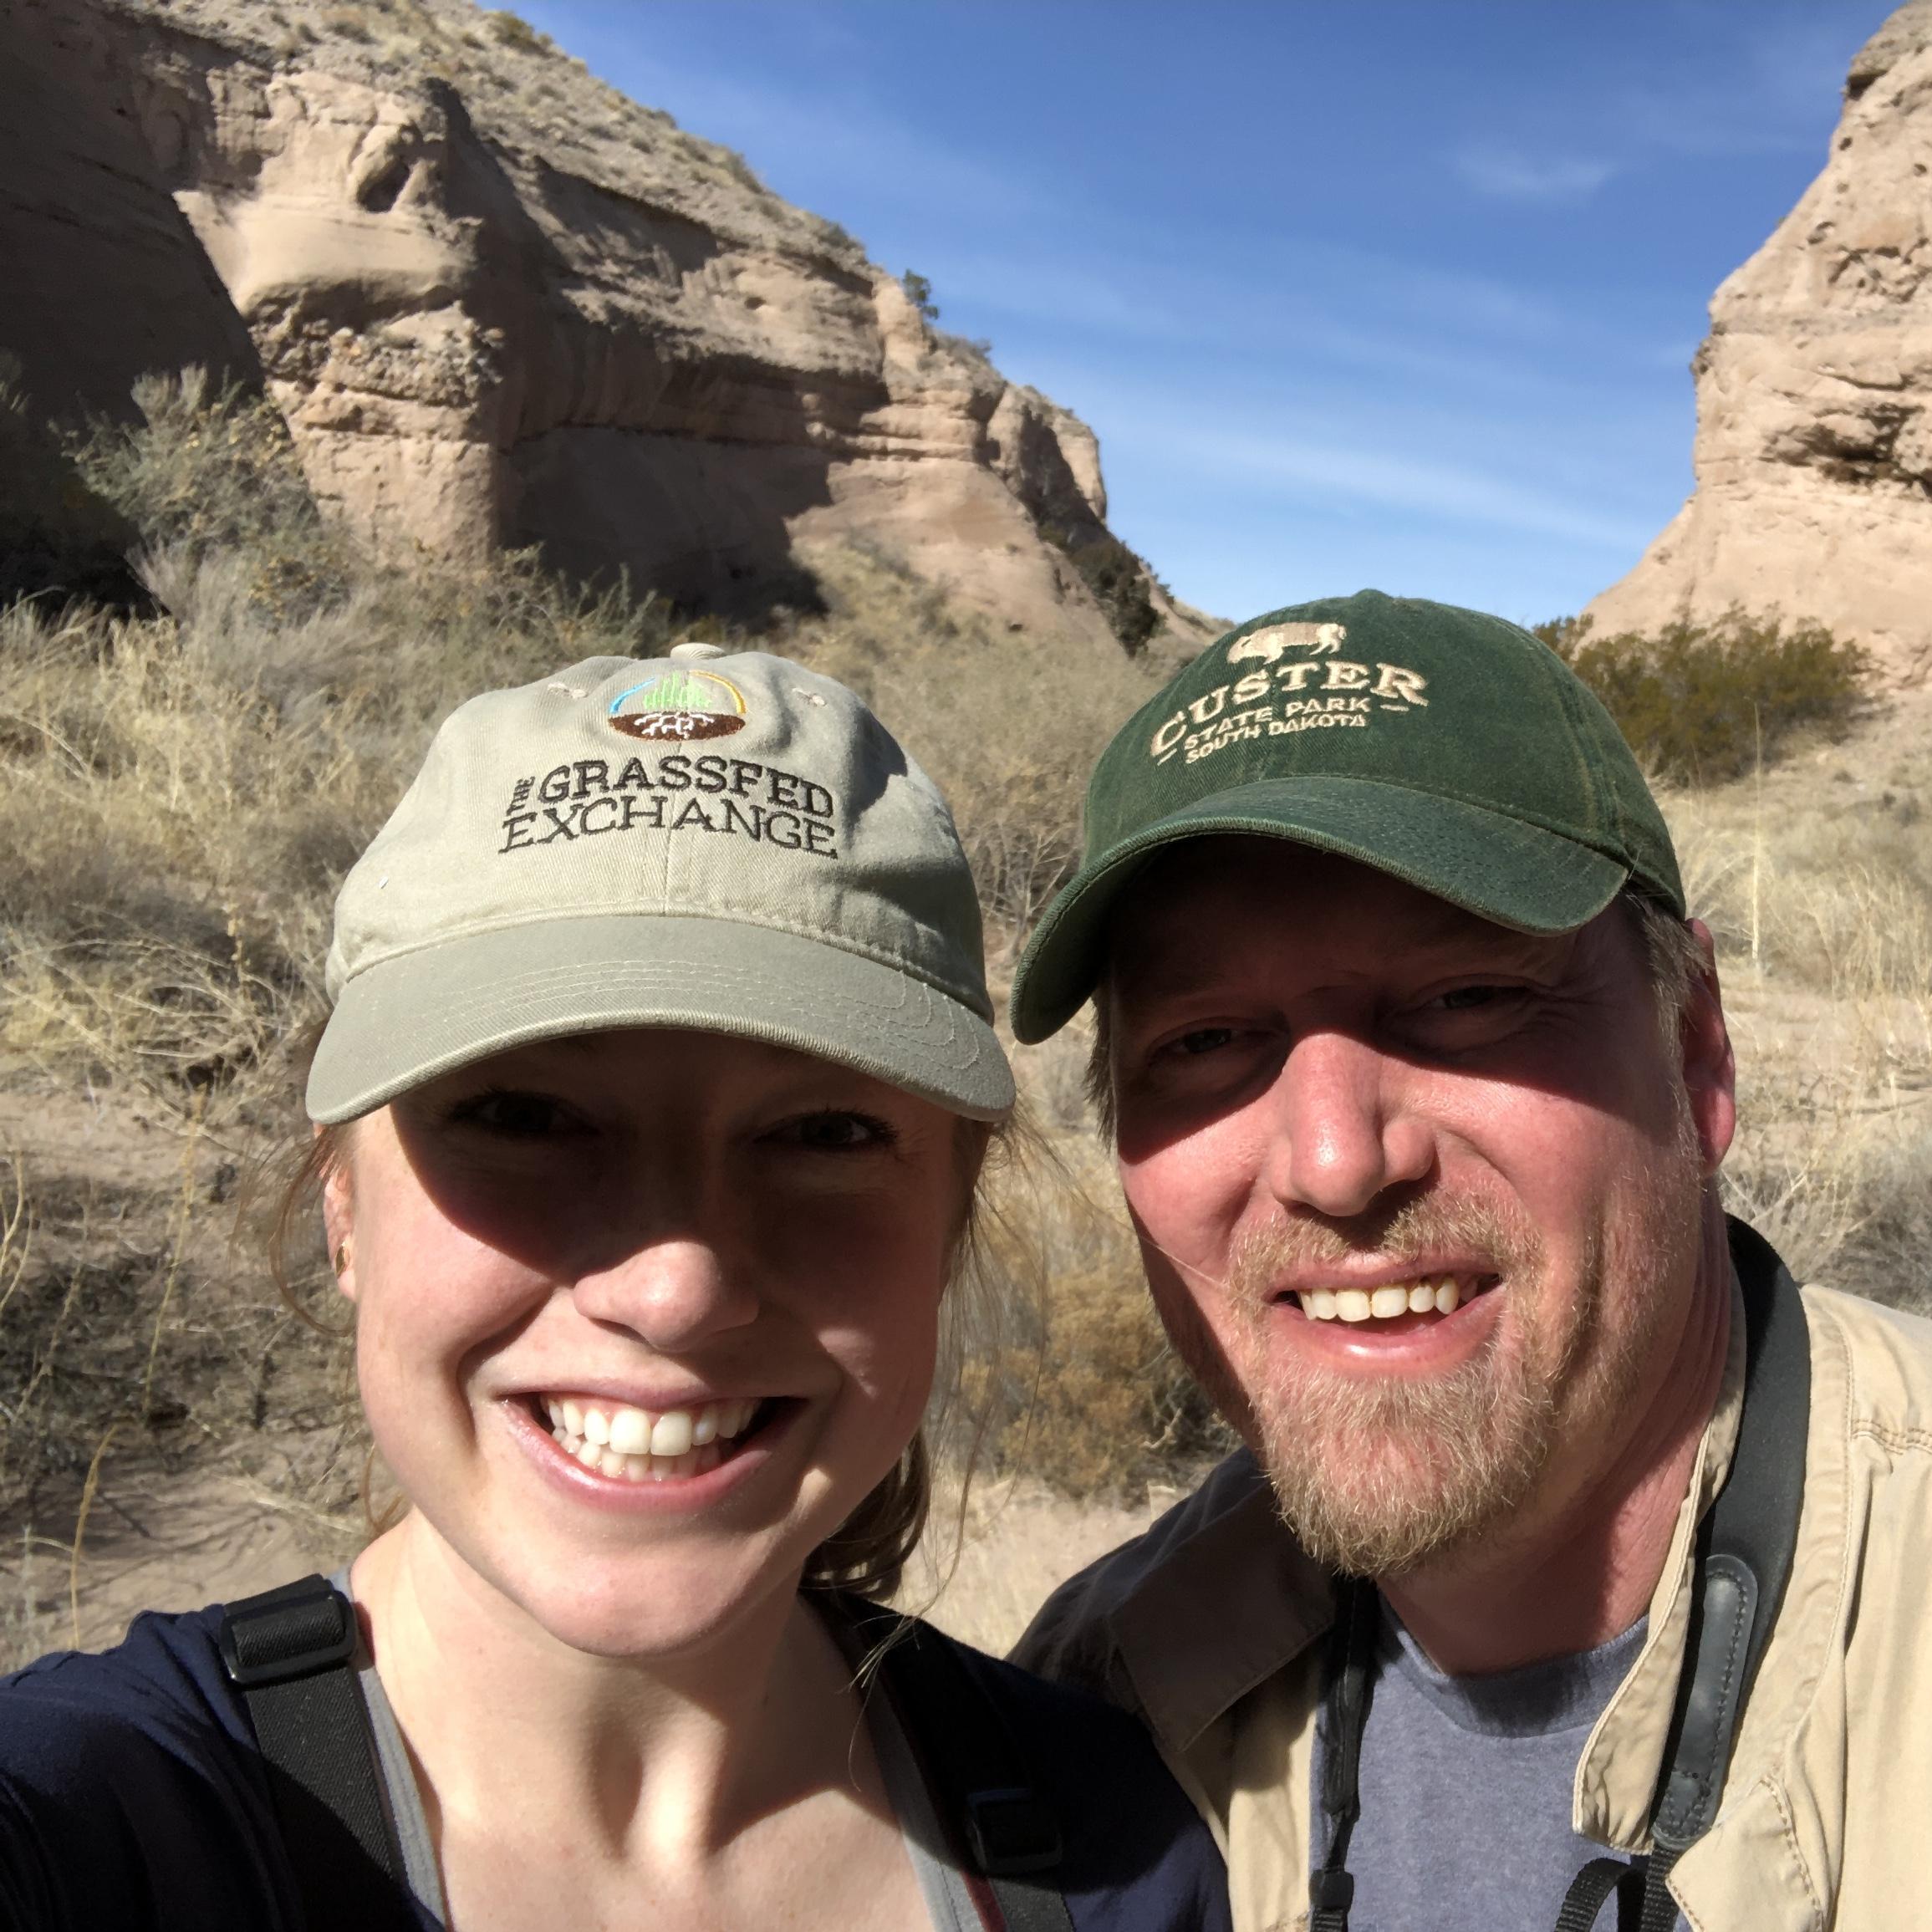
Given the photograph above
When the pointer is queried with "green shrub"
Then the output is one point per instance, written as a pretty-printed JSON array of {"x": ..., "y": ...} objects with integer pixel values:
[
  {"x": 1700, "y": 703},
  {"x": 918, "y": 293},
  {"x": 1118, "y": 579}
]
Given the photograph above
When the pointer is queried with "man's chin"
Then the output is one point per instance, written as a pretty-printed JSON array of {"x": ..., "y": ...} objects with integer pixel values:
[
  {"x": 1416, "y": 1485},
  {"x": 1387, "y": 1516}
]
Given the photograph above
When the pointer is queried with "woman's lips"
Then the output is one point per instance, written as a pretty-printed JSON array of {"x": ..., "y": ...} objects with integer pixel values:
[{"x": 620, "y": 1446}]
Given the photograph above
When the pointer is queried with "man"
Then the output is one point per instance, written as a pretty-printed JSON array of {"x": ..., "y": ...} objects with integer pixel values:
[{"x": 1419, "y": 1083}]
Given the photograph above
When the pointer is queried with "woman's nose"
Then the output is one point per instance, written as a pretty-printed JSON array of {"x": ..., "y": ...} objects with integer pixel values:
[
  {"x": 1340, "y": 1137},
  {"x": 673, "y": 1294}
]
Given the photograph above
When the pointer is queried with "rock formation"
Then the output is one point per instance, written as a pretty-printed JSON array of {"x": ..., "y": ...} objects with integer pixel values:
[
  {"x": 1814, "y": 395},
  {"x": 499, "y": 303}
]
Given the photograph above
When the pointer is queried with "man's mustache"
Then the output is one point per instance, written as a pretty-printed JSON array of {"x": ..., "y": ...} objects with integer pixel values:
[{"x": 1471, "y": 1227}]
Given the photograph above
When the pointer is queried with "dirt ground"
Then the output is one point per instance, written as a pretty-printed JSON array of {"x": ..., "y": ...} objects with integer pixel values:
[{"x": 154, "y": 1541}]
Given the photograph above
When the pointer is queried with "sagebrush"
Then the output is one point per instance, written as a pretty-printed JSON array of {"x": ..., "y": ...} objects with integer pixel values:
[{"x": 1704, "y": 702}]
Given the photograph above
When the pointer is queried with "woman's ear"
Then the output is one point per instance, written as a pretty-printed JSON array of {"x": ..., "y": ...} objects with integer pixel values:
[{"x": 337, "y": 1222}]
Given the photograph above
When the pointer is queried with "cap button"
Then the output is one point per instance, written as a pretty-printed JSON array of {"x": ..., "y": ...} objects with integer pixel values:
[{"x": 694, "y": 652}]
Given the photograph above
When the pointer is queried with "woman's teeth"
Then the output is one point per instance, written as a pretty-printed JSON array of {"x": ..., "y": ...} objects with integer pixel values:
[
  {"x": 1443, "y": 1294},
  {"x": 644, "y": 1445}
]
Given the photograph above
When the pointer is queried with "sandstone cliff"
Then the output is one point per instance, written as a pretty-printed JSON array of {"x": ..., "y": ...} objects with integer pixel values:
[
  {"x": 499, "y": 303},
  {"x": 1813, "y": 456}
]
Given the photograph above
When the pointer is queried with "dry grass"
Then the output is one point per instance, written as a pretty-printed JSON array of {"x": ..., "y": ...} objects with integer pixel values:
[
  {"x": 1818, "y": 887},
  {"x": 181, "y": 791}
]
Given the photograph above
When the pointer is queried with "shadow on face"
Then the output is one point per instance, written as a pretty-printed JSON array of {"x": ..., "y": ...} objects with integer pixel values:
[
  {"x": 1231, "y": 955},
  {"x": 567, "y": 1156}
]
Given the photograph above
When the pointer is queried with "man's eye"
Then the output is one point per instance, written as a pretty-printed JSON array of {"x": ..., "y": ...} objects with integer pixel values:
[
  {"x": 836, "y": 1132},
  {"x": 1464, "y": 997},
  {"x": 1203, "y": 1040}
]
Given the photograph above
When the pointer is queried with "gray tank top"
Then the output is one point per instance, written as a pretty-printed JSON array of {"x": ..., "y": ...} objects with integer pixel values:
[{"x": 949, "y": 1903}]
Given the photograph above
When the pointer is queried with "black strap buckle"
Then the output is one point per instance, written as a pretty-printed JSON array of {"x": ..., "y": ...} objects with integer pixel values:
[
  {"x": 296, "y": 1631},
  {"x": 1012, "y": 1834},
  {"x": 1331, "y": 1891}
]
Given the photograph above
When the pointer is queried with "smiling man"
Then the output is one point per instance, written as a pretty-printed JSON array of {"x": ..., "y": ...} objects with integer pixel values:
[{"x": 1573, "y": 1553}]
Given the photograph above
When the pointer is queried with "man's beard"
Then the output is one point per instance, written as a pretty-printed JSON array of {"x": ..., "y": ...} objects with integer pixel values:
[{"x": 1378, "y": 1474}]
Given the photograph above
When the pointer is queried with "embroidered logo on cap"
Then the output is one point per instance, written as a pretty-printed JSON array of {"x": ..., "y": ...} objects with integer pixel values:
[
  {"x": 680, "y": 704},
  {"x": 1266, "y": 646}
]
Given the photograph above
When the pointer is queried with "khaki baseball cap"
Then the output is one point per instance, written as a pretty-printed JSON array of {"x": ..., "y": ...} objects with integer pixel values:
[
  {"x": 1447, "y": 747},
  {"x": 718, "y": 840}
]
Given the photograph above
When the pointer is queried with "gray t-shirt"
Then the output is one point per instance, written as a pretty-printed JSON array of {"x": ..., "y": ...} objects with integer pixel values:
[
  {"x": 1465, "y": 1788},
  {"x": 948, "y": 1902}
]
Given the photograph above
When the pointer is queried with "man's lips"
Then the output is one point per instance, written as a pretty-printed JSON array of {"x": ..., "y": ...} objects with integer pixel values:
[{"x": 1405, "y": 1294}]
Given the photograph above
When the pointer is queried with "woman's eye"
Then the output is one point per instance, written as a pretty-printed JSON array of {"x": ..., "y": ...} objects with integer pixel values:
[
  {"x": 1464, "y": 997},
  {"x": 836, "y": 1133},
  {"x": 516, "y": 1115}
]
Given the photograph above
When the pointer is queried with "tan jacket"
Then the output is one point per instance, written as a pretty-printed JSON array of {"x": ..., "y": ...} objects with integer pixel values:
[{"x": 1206, "y": 1627}]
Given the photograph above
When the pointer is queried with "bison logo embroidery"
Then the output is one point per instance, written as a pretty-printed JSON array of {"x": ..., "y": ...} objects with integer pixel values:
[{"x": 1266, "y": 645}]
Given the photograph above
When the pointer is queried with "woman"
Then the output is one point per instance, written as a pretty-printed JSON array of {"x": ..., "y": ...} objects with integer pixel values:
[{"x": 649, "y": 1117}]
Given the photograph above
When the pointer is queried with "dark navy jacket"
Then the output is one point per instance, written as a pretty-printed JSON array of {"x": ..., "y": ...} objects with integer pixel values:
[{"x": 132, "y": 1795}]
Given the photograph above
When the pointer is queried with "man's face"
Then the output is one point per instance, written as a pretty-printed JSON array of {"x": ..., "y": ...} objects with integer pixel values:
[{"x": 1336, "y": 1093}]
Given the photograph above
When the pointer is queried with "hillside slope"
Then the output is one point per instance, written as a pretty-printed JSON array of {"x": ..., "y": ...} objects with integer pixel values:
[{"x": 498, "y": 303}]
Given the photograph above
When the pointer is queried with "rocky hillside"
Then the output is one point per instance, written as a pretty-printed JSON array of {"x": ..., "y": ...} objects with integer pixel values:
[
  {"x": 1814, "y": 394},
  {"x": 498, "y": 303}
]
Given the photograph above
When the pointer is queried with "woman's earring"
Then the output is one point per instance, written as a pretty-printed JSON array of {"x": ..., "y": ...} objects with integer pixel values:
[{"x": 342, "y": 1258}]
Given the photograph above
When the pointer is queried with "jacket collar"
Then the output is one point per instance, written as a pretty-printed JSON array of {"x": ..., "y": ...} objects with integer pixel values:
[
  {"x": 1221, "y": 1610},
  {"x": 1229, "y": 1598}
]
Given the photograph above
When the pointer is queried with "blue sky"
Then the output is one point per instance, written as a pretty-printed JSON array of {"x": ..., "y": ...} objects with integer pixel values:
[{"x": 1398, "y": 293}]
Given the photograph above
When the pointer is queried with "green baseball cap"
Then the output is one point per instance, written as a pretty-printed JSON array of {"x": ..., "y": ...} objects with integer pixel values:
[
  {"x": 718, "y": 840},
  {"x": 1446, "y": 747}
]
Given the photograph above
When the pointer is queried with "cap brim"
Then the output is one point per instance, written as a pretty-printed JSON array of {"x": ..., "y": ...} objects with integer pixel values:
[
  {"x": 1516, "y": 875},
  {"x": 418, "y": 1015}
]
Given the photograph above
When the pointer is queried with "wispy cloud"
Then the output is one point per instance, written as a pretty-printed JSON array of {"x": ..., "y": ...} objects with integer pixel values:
[
  {"x": 1511, "y": 175},
  {"x": 1447, "y": 492}
]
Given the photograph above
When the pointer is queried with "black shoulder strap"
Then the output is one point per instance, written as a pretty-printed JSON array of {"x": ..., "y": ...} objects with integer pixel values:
[
  {"x": 1745, "y": 1549},
  {"x": 289, "y": 1652},
  {"x": 1006, "y": 1830},
  {"x": 1744, "y": 1558},
  {"x": 1350, "y": 1688}
]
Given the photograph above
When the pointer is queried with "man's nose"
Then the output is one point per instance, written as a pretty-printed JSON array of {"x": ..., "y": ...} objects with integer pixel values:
[
  {"x": 1341, "y": 1135},
  {"x": 675, "y": 1293}
]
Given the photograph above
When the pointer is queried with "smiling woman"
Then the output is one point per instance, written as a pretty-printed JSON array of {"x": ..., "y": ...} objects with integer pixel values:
[{"x": 647, "y": 1159}]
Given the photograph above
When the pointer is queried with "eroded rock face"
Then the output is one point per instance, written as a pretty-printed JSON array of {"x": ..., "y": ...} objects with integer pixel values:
[
  {"x": 499, "y": 303},
  {"x": 1814, "y": 395}
]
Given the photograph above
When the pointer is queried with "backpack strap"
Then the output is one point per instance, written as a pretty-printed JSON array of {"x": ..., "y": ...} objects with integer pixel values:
[
  {"x": 1005, "y": 1830},
  {"x": 290, "y": 1652}
]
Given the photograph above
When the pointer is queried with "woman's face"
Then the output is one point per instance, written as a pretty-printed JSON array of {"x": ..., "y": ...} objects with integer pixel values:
[{"x": 642, "y": 1315}]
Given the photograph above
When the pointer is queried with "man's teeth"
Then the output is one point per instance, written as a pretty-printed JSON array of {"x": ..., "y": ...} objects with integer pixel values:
[
  {"x": 1442, "y": 1293},
  {"x": 646, "y": 1446}
]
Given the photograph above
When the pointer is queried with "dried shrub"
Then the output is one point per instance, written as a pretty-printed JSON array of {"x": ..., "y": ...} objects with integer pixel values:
[
  {"x": 1700, "y": 703},
  {"x": 1009, "y": 728},
  {"x": 60, "y": 537},
  {"x": 509, "y": 29},
  {"x": 1093, "y": 1402}
]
